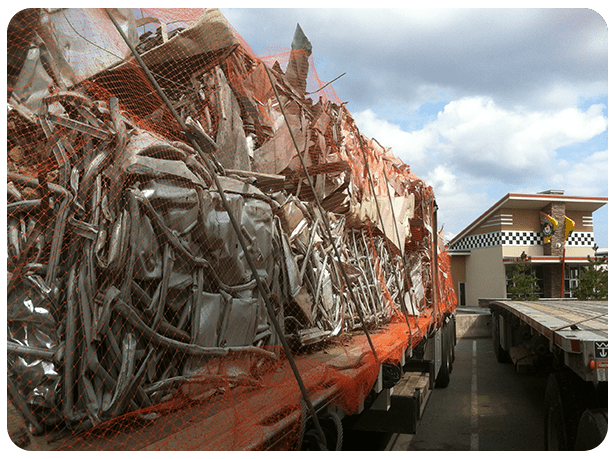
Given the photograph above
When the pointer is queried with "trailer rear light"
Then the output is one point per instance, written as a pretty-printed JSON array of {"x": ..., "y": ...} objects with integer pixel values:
[{"x": 602, "y": 365}]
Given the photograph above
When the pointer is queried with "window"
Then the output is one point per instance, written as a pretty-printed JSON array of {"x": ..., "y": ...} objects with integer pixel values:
[
  {"x": 571, "y": 279},
  {"x": 538, "y": 272}
]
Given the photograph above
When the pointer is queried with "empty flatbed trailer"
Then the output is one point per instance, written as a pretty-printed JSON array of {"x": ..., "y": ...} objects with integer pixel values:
[{"x": 569, "y": 338}]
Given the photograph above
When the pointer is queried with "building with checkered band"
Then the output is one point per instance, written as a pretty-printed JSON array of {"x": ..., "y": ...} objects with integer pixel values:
[{"x": 550, "y": 231}]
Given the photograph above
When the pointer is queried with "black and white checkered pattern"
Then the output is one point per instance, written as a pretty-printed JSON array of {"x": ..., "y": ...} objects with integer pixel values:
[
  {"x": 479, "y": 241},
  {"x": 474, "y": 241},
  {"x": 517, "y": 238},
  {"x": 579, "y": 239},
  {"x": 521, "y": 238}
]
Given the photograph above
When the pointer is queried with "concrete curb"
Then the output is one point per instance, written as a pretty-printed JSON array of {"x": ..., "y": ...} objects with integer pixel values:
[{"x": 473, "y": 326}]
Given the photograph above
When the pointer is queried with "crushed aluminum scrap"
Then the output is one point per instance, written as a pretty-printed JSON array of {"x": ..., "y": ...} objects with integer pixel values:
[{"x": 93, "y": 244}]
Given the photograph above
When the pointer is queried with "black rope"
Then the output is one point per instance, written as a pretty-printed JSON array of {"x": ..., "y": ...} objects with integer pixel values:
[
  {"x": 323, "y": 215},
  {"x": 261, "y": 287},
  {"x": 399, "y": 242},
  {"x": 388, "y": 242}
]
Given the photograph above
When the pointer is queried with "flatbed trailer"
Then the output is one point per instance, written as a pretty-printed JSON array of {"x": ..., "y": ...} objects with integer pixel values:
[
  {"x": 206, "y": 255},
  {"x": 568, "y": 338},
  {"x": 272, "y": 414}
]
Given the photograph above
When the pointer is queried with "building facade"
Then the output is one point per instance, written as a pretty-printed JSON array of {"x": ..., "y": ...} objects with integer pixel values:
[{"x": 549, "y": 231}]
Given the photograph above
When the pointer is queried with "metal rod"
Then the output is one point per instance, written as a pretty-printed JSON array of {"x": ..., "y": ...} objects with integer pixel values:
[
  {"x": 405, "y": 274},
  {"x": 388, "y": 242},
  {"x": 386, "y": 178},
  {"x": 322, "y": 213},
  {"x": 261, "y": 287},
  {"x": 561, "y": 294},
  {"x": 159, "y": 90},
  {"x": 435, "y": 284}
]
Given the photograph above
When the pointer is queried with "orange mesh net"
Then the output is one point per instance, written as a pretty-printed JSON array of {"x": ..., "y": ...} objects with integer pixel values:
[{"x": 169, "y": 215}]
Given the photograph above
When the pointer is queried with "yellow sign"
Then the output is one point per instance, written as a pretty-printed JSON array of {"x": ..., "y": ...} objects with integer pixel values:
[
  {"x": 569, "y": 226},
  {"x": 548, "y": 225}
]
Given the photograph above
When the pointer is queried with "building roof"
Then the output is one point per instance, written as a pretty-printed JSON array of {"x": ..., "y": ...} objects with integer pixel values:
[{"x": 536, "y": 201}]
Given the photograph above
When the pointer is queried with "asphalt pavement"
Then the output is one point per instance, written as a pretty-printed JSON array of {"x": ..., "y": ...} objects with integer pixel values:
[{"x": 487, "y": 406}]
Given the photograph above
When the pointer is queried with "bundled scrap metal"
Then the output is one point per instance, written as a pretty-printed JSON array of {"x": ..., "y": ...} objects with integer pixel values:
[{"x": 125, "y": 274}]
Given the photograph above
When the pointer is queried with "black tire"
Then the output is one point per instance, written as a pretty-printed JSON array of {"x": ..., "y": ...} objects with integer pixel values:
[
  {"x": 592, "y": 429},
  {"x": 556, "y": 437},
  {"x": 567, "y": 397},
  {"x": 454, "y": 333},
  {"x": 501, "y": 355},
  {"x": 444, "y": 375},
  {"x": 451, "y": 344},
  {"x": 332, "y": 428}
]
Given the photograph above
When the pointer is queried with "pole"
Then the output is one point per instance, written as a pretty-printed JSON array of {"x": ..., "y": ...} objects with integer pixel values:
[
  {"x": 435, "y": 266},
  {"x": 563, "y": 272}
]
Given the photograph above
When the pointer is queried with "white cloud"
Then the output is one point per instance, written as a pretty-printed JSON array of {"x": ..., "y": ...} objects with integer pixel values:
[
  {"x": 443, "y": 179},
  {"x": 521, "y": 57},
  {"x": 474, "y": 145},
  {"x": 458, "y": 208},
  {"x": 459, "y": 201},
  {"x": 509, "y": 140},
  {"x": 411, "y": 147},
  {"x": 586, "y": 178},
  {"x": 476, "y": 136},
  {"x": 566, "y": 94}
]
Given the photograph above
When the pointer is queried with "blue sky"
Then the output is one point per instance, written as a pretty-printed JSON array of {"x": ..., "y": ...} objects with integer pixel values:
[{"x": 478, "y": 102}]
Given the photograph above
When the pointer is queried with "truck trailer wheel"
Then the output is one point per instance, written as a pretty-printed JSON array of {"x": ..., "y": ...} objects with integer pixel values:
[
  {"x": 454, "y": 333},
  {"x": 451, "y": 344},
  {"x": 444, "y": 375},
  {"x": 556, "y": 438},
  {"x": 333, "y": 429},
  {"x": 592, "y": 429},
  {"x": 567, "y": 397},
  {"x": 500, "y": 354}
]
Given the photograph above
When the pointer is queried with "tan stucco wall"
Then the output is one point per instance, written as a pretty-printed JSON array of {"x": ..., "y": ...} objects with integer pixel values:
[
  {"x": 524, "y": 219},
  {"x": 582, "y": 251},
  {"x": 538, "y": 251},
  {"x": 485, "y": 275},
  {"x": 491, "y": 227},
  {"x": 516, "y": 250},
  {"x": 577, "y": 217},
  {"x": 484, "y": 271}
]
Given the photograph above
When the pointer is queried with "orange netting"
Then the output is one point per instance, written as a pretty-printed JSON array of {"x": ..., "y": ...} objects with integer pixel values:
[{"x": 144, "y": 224}]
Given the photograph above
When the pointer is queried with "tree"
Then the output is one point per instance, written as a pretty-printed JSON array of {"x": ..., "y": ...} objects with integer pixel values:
[
  {"x": 523, "y": 285},
  {"x": 593, "y": 280}
]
